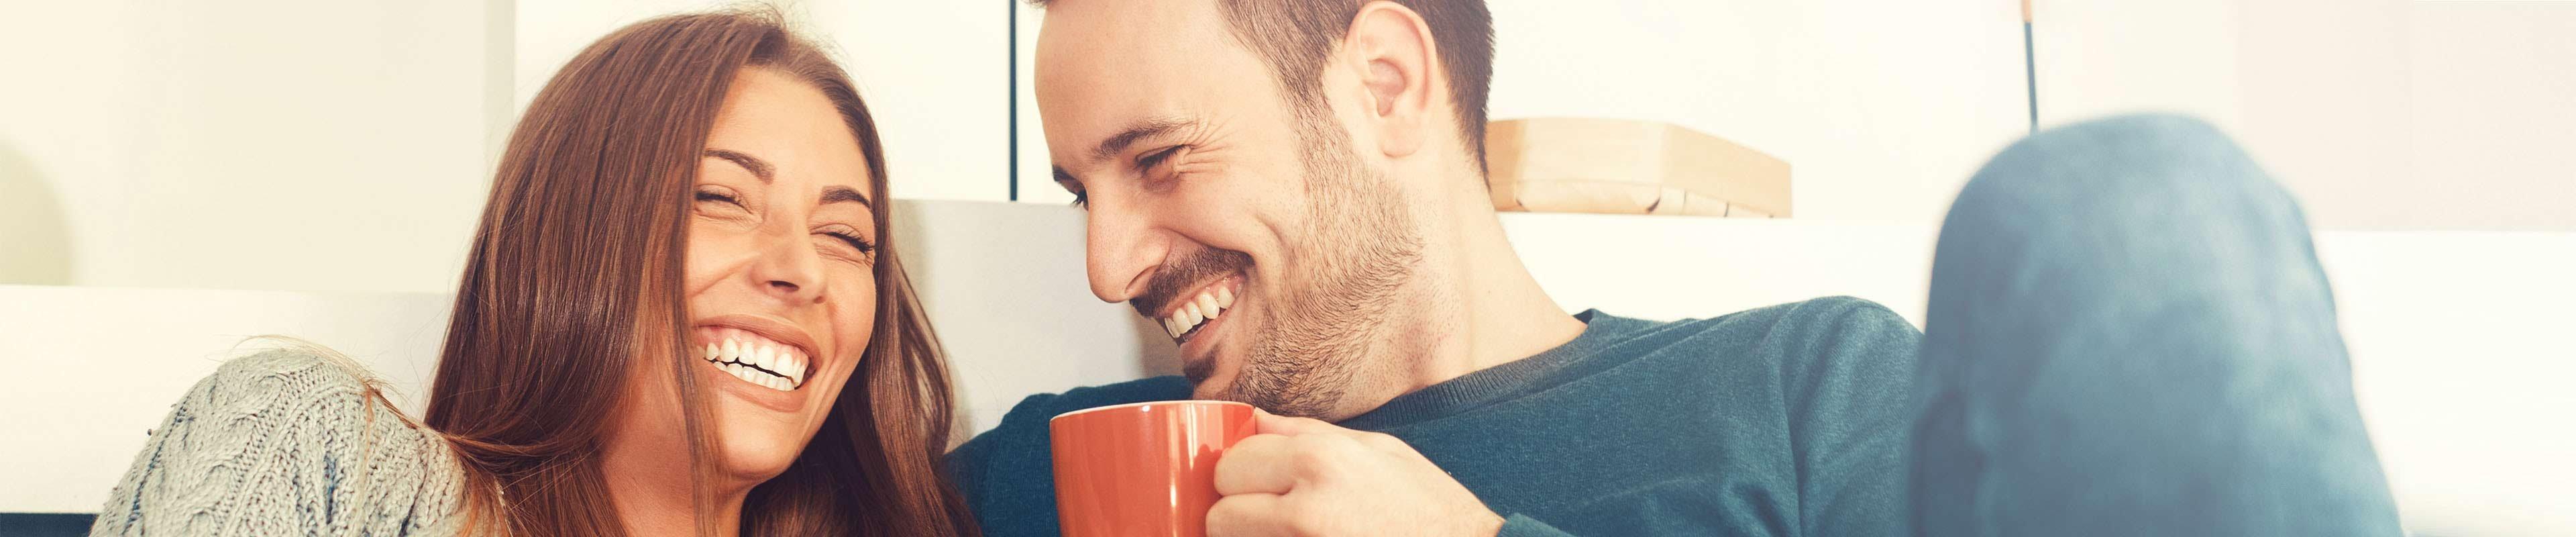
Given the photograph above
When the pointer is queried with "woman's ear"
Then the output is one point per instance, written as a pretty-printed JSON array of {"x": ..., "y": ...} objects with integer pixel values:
[{"x": 1393, "y": 48}]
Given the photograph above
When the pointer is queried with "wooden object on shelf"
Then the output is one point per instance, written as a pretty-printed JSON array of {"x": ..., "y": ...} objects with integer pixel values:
[{"x": 1583, "y": 165}]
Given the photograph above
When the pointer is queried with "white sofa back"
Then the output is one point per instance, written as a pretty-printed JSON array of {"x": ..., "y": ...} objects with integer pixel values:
[{"x": 2458, "y": 339}]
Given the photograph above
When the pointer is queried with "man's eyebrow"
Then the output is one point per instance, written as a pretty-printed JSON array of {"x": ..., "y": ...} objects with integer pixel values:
[
  {"x": 1150, "y": 127},
  {"x": 843, "y": 194},
  {"x": 758, "y": 168}
]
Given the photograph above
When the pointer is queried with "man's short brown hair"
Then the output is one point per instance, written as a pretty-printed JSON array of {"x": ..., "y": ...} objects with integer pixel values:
[{"x": 1295, "y": 37}]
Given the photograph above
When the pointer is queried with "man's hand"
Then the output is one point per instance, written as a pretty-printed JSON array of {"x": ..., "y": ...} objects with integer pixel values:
[{"x": 1304, "y": 477}]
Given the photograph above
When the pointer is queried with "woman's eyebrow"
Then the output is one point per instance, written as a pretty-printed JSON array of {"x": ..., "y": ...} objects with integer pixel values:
[
  {"x": 758, "y": 168},
  {"x": 843, "y": 194}
]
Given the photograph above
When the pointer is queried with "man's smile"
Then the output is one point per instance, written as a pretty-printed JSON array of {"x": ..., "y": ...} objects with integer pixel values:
[{"x": 1188, "y": 314}]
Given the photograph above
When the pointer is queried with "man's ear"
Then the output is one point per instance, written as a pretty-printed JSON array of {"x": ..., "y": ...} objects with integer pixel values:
[{"x": 1392, "y": 50}]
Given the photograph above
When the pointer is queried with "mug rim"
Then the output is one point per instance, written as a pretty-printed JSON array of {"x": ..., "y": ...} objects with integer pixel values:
[{"x": 1144, "y": 403}]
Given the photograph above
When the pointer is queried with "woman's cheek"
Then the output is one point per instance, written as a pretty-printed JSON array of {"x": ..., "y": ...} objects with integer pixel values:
[
  {"x": 856, "y": 319},
  {"x": 704, "y": 257}
]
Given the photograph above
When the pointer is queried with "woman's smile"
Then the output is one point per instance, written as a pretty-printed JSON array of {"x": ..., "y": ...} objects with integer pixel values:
[
  {"x": 761, "y": 359},
  {"x": 753, "y": 358}
]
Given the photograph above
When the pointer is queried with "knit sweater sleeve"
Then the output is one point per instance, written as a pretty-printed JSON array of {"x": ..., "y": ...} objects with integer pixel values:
[{"x": 285, "y": 443}]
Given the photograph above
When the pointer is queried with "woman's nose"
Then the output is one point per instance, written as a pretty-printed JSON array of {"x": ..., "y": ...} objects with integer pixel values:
[
  {"x": 790, "y": 270},
  {"x": 784, "y": 287}
]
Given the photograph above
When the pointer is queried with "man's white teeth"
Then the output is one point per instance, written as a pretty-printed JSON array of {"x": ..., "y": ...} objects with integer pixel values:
[
  {"x": 1208, "y": 305},
  {"x": 748, "y": 360}
]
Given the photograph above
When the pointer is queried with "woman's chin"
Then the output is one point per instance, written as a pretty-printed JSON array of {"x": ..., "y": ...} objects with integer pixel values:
[
  {"x": 759, "y": 443},
  {"x": 758, "y": 455}
]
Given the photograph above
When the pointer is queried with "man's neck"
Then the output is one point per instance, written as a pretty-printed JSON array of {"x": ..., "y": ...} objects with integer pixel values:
[{"x": 1480, "y": 307}]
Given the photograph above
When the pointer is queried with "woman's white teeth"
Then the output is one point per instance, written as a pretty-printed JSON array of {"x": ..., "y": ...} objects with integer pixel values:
[
  {"x": 762, "y": 362},
  {"x": 1198, "y": 311}
]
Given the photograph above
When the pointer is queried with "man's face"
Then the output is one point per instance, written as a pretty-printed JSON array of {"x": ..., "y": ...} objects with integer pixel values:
[{"x": 1244, "y": 223}]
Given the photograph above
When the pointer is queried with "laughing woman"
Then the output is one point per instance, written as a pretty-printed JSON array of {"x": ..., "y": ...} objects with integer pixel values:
[{"x": 681, "y": 316}]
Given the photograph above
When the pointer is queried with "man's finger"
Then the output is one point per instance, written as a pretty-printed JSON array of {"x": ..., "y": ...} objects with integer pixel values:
[
  {"x": 1246, "y": 515},
  {"x": 1269, "y": 423},
  {"x": 1259, "y": 464}
]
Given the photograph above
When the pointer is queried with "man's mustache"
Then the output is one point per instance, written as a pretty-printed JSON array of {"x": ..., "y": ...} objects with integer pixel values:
[{"x": 1180, "y": 275}]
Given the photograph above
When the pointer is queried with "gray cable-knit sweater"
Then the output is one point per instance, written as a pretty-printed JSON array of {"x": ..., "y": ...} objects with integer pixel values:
[{"x": 286, "y": 443}]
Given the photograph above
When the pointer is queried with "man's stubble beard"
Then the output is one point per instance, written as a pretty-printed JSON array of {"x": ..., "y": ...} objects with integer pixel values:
[{"x": 1343, "y": 280}]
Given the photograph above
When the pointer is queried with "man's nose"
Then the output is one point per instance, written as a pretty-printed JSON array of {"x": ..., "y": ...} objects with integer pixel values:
[{"x": 1120, "y": 252}]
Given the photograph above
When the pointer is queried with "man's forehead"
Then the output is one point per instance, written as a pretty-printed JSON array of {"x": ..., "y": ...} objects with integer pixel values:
[
  {"x": 1122, "y": 12},
  {"x": 1104, "y": 65},
  {"x": 1126, "y": 31}
]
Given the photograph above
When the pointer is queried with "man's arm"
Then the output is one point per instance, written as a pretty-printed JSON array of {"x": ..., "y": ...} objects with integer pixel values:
[{"x": 1853, "y": 425}]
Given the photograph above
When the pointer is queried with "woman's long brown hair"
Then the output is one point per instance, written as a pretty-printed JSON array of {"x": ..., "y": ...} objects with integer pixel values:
[{"x": 575, "y": 274}]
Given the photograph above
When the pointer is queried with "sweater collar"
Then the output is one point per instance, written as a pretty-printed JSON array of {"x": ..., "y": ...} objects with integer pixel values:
[{"x": 1475, "y": 389}]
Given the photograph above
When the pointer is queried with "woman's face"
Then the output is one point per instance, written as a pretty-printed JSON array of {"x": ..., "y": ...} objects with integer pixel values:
[{"x": 779, "y": 282}]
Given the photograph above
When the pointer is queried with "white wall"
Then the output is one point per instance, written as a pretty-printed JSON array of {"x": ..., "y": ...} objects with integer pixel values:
[
  {"x": 935, "y": 75},
  {"x": 283, "y": 144},
  {"x": 1033, "y": 175},
  {"x": 1881, "y": 108},
  {"x": 181, "y": 140},
  {"x": 348, "y": 145},
  {"x": 2380, "y": 114}
]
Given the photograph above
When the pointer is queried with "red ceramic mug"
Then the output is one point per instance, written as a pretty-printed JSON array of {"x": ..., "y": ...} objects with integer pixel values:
[{"x": 1143, "y": 469}]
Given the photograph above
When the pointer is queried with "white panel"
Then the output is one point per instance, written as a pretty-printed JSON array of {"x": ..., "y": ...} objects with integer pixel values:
[
  {"x": 2324, "y": 89},
  {"x": 937, "y": 77},
  {"x": 1036, "y": 175},
  {"x": 2493, "y": 95},
  {"x": 170, "y": 142},
  {"x": 2098, "y": 58},
  {"x": 1882, "y": 108},
  {"x": 2381, "y": 114},
  {"x": 550, "y": 32},
  {"x": 934, "y": 74}
]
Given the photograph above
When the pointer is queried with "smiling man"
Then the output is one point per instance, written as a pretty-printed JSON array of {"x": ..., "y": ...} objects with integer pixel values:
[
  {"x": 2128, "y": 330},
  {"x": 1295, "y": 190}
]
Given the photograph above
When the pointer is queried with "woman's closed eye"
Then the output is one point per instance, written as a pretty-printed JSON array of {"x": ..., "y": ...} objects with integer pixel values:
[
  {"x": 849, "y": 237},
  {"x": 720, "y": 196}
]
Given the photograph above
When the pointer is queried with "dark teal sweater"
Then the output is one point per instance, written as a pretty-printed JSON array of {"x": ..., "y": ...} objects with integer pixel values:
[{"x": 1785, "y": 420}]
